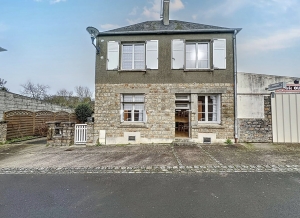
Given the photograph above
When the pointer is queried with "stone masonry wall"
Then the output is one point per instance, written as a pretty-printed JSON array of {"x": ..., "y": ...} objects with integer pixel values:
[
  {"x": 10, "y": 101},
  {"x": 160, "y": 110},
  {"x": 3, "y": 130},
  {"x": 257, "y": 130}
]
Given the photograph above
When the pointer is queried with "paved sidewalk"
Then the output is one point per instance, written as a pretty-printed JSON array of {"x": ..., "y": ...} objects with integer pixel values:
[{"x": 36, "y": 157}]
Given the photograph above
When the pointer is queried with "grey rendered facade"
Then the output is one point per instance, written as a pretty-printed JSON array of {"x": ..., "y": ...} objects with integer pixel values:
[{"x": 183, "y": 86}]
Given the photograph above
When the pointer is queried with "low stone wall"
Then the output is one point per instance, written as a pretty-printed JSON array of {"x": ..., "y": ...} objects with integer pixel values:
[
  {"x": 11, "y": 101},
  {"x": 3, "y": 131},
  {"x": 90, "y": 140},
  {"x": 257, "y": 130}
]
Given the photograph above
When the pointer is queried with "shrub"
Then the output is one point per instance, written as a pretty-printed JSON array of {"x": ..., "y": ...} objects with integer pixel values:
[{"x": 83, "y": 111}]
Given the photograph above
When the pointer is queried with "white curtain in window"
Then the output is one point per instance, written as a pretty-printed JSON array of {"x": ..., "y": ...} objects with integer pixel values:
[
  {"x": 139, "y": 56},
  {"x": 127, "y": 107},
  {"x": 214, "y": 101},
  {"x": 127, "y": 54},
  {"x": 139, "y": 98}
]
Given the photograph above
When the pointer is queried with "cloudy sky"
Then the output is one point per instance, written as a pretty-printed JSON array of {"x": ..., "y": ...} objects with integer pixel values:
[{"x": 47, "y": 43}]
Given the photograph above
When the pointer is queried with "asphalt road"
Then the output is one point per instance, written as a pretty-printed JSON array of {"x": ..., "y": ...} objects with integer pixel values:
[{"x": 151, "y": 195}]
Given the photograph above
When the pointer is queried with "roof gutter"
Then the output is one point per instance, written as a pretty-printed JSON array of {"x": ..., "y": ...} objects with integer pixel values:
[
  {"x": 170, "y": 32},
  {"x": 235, "y": 88}
]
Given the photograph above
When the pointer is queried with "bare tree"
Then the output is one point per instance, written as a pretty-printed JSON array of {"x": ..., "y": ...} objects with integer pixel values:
[
  {"x": 2, "y": 85},
  {"x": 37, "y": 91},
  {"x": 84, "y": 93}
]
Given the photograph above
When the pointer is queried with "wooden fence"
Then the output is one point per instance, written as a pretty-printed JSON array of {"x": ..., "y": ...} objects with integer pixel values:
[{"x": 21, "y": 123}]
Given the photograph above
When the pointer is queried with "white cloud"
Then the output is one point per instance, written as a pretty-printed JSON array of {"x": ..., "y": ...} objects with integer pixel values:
[
  {"x": 134, "y": 11},
  {"x": 57, "y": 1},
  {"x": 109, "y": 26},
  {"x": 131, "y": 21},
  {"x": 279, "y": 40},
  {"x": 278, "y": 4},
  {"x": 176, "y": 5},
  {"x": 154, "y": 11},
  {"x": 225, "y": 9}
]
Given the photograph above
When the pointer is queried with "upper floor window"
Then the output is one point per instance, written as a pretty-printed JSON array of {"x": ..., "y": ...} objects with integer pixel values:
[
  {"x": 134, "y": 56},
  {"x": 196, "y": 55}
]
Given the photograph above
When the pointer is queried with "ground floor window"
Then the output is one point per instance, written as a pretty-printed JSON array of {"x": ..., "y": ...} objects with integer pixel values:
[
  {"x": 132, "y": 108},
  {"x": 209, "y": 108}
]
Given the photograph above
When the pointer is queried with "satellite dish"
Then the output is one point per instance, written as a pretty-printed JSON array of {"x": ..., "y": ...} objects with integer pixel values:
[
  {"x": 92, "y": 31},
  {"x": 2, "y": 49}
]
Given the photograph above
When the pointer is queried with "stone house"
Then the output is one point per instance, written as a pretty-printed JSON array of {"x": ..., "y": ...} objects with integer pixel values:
[{"x": 157, "y": 81}]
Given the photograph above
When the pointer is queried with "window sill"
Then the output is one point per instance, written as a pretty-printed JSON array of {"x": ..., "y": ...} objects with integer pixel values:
[
  {"x": 208, "y": 126},
  {"x": 133, "y": 125},
  {"x": 198, "y": 70},
  {"x": 132, "y": 71}
]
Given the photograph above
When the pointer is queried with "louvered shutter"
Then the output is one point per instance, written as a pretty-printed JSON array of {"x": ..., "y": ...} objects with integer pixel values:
[
  {"x": 112, "y": 55},
  {"x": 177, "y": 54},
  {"x": 219, "y": 53},
  {"x": 152, "y": 54}
]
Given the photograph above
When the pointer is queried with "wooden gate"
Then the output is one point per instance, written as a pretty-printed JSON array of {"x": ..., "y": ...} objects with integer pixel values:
[
  {"x": 286, "y": 117},
  {"x": 80, "y": 134}
]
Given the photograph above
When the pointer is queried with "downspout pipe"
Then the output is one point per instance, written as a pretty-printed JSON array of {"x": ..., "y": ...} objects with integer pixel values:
[{"x": 235, "y": 88}]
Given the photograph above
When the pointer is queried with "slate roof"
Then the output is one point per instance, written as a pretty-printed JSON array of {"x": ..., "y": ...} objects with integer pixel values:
[{"x": 175, "y": 26}]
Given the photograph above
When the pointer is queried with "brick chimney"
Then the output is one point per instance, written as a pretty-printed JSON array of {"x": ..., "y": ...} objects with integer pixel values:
[{"x": 166, "y": 8}]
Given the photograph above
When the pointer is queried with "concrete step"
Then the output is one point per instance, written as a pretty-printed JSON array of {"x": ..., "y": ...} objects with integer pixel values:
[{"x": 183, "y": 142}]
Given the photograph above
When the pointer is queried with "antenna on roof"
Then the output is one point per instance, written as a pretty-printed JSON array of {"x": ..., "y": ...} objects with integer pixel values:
[
  {"x": 161, "y": 9},
  {"x": 93, "y": 32}
]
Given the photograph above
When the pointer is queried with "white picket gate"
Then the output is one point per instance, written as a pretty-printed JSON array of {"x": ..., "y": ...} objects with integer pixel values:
[{"x": 80, "y": 134}]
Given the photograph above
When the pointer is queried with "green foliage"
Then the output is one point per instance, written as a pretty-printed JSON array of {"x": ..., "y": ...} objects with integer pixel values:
[
  {"x": 98, "y": 143},
  {"x": 228, "y": 142},
  {"x": 83, "y": 111},
  {"x": 19, "y": 139}
]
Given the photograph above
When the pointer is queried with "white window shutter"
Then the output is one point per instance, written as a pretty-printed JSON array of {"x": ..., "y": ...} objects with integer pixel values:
[
  {"x": 112, "y": 55},
  {"x": 219, "y": 53},
  {"x": 152, "y": 54},
  {"x": 178, "y": 54}
]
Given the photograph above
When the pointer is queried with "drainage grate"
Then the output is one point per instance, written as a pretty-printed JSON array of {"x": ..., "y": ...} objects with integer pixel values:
[
  {"x": 207, "y": 140},
  {"x": 131, "y": 138}
]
